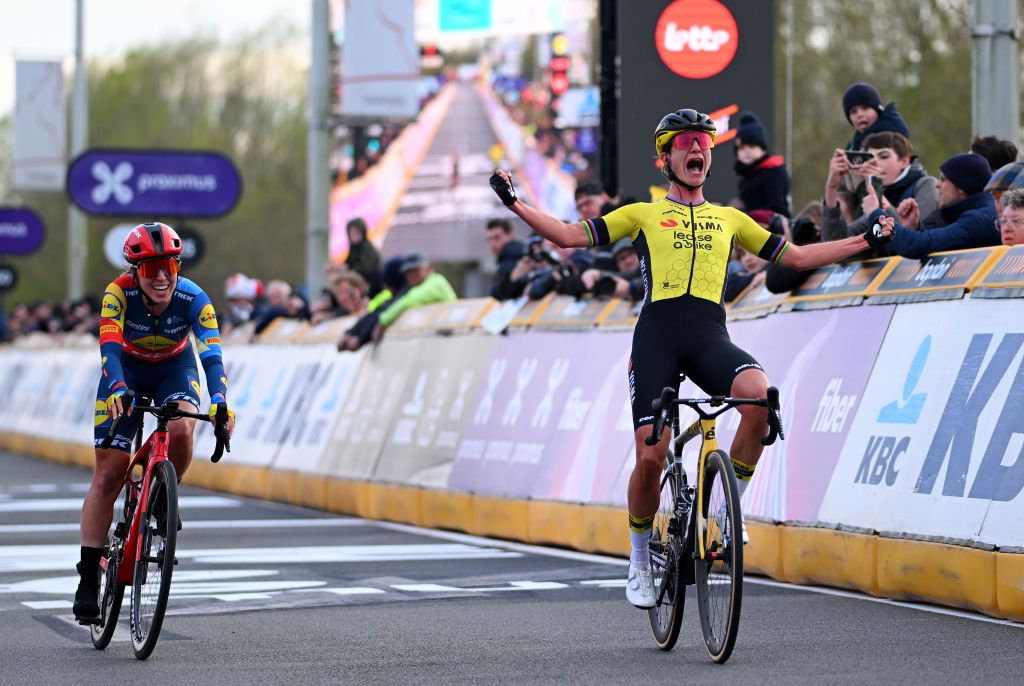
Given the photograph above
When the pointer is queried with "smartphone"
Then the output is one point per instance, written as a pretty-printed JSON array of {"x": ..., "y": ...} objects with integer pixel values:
[
  {"x": 876, "y": 183},
  {"x": 858, "y": 157}
]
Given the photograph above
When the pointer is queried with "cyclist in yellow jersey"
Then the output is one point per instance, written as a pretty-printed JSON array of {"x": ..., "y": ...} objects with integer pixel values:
[{"x": 684, "y": 242}]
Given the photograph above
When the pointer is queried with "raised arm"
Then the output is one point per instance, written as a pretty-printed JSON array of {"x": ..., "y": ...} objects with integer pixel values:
[
  {"x": 821, "y": 254},
  {"x": 560, "y": 233}
]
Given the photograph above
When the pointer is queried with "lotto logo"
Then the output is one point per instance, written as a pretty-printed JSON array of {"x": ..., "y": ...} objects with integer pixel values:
[{"x": 696, "y": 38}]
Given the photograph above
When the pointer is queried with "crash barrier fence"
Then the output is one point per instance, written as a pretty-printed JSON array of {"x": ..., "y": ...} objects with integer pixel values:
[{"x": 901, "y": 475}]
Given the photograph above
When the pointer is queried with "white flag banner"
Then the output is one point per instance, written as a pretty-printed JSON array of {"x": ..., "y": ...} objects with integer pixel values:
[
  {"x": 380, "y": 65},
  {"x": 39, "y": 130}
]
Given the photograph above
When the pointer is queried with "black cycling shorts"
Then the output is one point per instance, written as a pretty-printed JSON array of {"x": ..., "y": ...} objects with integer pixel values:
[{"x": 681, "y": 335}]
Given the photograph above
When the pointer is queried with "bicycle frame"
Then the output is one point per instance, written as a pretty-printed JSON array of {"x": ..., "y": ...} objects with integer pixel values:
[{"x": 153, "y": 451}]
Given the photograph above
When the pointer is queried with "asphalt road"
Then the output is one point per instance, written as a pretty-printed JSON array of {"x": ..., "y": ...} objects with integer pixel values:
[{"x": 268, "y": 593}]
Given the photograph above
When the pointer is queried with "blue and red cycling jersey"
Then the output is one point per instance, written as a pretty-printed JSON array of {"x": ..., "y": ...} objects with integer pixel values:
[{"x": 128, "y": 328}]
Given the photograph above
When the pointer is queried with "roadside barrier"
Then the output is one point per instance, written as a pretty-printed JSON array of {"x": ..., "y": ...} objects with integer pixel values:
[{"x": 901, "y": 476}]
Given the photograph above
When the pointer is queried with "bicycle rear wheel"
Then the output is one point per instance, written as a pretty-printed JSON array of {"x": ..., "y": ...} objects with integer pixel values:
[
  {"x": 158, "y": 529},
  {"x": 720, "y": 575},
  {"x": 666, "y": 564},
  {"x": 111, "y": 593}
]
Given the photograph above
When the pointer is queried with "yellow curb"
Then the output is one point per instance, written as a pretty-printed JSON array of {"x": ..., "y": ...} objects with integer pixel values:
[
  {"x": 202, "y": 474},
  {"x": 394, "y": 503},
  {"x": 763, "y": 555},
  {"x": 555, "y": 523},
  {"x": 242, "y": 480},
  {"x": 311, "y": 491},
  {"x": 445, "y": 510},
  {"x": 604, "y": 529},
  {"x": 1010, "y": 585},
  {"x": 499, "y": 518},
  {"x": 345, "y": 496},
  {"x": 829, "y": 557},
  {"x": 282, "y": 486},
  {"x": 937, "y": 572}
]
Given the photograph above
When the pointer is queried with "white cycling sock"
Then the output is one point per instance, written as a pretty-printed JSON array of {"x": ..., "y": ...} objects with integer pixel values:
[{"x": 639, "y": 538}]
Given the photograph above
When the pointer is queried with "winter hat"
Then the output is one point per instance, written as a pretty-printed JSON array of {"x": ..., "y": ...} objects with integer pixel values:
[
  {"x": 861, "y": 93},
  {"x": 751, "y": 131},
  {"x": 968, "y": 172},
  {"x": 1007, "y": 177}
]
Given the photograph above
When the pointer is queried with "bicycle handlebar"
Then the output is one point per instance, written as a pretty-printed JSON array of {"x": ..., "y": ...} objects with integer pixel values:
[
  {"x": 169, "y": 411},
  {"x": 662, "y": 412}
]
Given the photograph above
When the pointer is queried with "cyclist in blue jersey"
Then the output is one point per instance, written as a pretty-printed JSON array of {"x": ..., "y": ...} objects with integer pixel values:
[{"x": 146, "y": 317}]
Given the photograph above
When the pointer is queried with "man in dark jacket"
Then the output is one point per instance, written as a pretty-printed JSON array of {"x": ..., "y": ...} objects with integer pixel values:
[
  {"x": 862, "y": 106},
  {"x": 507, "y": 251},
  {"x": 968, "y": 212},
  {"x": 763, "y": 180}
]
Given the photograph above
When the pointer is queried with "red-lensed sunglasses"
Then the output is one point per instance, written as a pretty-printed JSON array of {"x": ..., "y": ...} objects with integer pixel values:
[
  {"x": 150, "y": 269},
  {"x": 684, "y": 141}
]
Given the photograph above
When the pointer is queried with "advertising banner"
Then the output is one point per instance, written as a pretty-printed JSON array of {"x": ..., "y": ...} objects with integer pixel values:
[
  {"x": 942, "y": 275},
  {"x": 433, "y": 407},
  {"x": 39, "y": 125},
  {"x": 841, "y": 281},
  {"x": 265, "y": 385},
  {"x": 1006, "y": 277},
  {"x": 309, "y": 427},
  {"x": 154, "y": 183},
  {"x": 935, "y": 448},
  {"x": 21, "y": 231},
  {"x": 503, "y": 444},
  {"x": 716, "y": 57},
  {"x": 368, "y": 414},
  {"x": 380, "y": 63}
]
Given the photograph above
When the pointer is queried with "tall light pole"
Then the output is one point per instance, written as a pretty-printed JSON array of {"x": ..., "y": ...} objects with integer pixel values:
[
  {"x": 78, "y": 247},
  {"x": 995, "y": 99},
  {"x": 317, "y": 172}
]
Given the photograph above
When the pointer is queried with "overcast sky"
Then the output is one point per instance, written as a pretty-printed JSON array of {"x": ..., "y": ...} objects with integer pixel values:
[{"x": 45, "y": 29}]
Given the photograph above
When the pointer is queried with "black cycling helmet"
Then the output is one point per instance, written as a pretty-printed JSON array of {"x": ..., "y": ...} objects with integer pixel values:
[{"x": 679, "y": 121}]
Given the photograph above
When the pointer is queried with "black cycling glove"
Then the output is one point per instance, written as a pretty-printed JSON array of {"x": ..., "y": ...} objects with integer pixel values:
[
  {"x": 505, "y": 190},
  {"x": 875, "y": 238}
]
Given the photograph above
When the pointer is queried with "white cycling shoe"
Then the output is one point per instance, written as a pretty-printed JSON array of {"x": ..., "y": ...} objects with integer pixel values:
[{"x": 640, "y": 586}]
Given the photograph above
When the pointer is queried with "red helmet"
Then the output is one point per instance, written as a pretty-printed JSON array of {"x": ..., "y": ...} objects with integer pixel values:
[{"x": 147, "y": 241}]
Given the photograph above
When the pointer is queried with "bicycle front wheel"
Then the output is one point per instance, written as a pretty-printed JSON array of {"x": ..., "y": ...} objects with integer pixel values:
[
  {"x": 666, "y": 562},
  {"x": 158, "y": 529},
  {"x": 719, "y": 575}
]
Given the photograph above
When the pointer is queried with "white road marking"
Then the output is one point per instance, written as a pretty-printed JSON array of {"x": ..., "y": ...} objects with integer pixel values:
[
  {"x": 74, "y": 504},
  {"x": 523, "y": 586},
  {"x": 356, "y": 590},
  {"x": 201, "y": 524},
  {"x": 344, "y": 553},
  {"x": 47, "y": 604},
  {"x": 425, "y": 588},
  {"x": 605, "y": 583}
]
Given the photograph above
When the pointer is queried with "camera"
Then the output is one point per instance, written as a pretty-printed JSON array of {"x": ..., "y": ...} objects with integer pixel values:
[
  {"x": 536, "y": 251},
  {"x": 604, "y": 287},
  {"x": 804, "y": 231}
]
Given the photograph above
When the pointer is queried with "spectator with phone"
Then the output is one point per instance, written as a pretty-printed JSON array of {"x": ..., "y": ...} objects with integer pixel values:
[
  {"x": 763, "y": 182},
  {"x": 862, "y": 106},
  {"x": 968, "y": 212},
  {"x": 894, "y": 175}
]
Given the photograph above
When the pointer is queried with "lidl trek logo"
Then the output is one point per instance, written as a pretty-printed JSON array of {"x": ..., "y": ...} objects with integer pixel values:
[{"x": 696, "y": 38}]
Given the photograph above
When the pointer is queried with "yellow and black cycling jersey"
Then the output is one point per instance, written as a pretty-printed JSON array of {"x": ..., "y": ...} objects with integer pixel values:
[{"x": 684, "y": 249}]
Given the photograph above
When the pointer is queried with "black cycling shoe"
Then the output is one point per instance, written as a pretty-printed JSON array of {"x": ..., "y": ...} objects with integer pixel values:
[{"x": 87, "y": 607}]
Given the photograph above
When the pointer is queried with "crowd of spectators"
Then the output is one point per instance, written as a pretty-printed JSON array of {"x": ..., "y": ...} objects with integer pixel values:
[{"x": 65, "y": 317}]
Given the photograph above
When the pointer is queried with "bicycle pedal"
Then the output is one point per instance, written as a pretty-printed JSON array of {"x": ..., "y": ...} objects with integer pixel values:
[{"x": 90, "y": 621}]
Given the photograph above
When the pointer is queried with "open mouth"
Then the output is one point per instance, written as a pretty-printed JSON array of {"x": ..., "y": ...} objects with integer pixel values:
[
  {"x": 695, "y": 165},
  {"x": 163, "y": 288}
]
